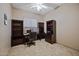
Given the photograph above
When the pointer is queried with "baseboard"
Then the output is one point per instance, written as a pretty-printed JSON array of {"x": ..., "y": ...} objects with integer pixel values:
[{"x": 69, "y": 47}]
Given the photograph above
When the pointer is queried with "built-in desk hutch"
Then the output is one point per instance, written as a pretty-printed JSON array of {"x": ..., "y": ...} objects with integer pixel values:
[
  {"x": 41, "y": 34},
  {"x": 51, "y": 31},
  {"x": 17, "y": 32},
  {"x": 17, "y": 36}
]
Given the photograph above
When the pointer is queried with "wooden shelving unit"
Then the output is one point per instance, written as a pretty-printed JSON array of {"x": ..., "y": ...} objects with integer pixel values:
[
  {"x": 17, "y": 32},
  {"x": 51, "y": 31}
]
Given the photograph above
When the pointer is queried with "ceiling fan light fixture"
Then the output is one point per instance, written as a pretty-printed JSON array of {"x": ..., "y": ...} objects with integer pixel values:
[{"x": 39, "y": 6}]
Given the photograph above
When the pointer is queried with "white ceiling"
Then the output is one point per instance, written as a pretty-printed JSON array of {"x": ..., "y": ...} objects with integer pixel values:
[{"x": 27, "y": 7}]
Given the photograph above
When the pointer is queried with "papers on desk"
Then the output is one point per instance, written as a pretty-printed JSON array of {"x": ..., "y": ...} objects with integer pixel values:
[{"x": 26, "y": 33}]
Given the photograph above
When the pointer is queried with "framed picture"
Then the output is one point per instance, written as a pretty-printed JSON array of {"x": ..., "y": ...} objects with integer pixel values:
[{"x": 5, "y": 19}]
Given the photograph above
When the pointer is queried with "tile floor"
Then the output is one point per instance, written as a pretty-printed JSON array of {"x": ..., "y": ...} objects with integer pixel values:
[{"x": 42, "y": 48}]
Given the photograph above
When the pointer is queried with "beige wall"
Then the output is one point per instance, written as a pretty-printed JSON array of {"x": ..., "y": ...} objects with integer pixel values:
[
  {"x": 5, "y": 30},
  {"x": 67, "y": 18},
  {"x": 22, "y": 15}
]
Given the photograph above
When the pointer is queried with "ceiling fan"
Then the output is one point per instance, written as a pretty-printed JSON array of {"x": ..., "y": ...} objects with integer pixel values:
[{"x": 39, "y": 6}]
